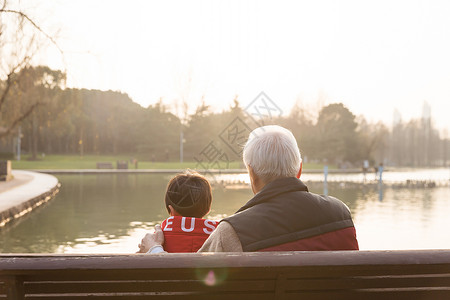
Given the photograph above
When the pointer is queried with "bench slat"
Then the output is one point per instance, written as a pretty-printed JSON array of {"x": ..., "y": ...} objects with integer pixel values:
[
  {"x": 247, "y": 286},
  {"x": 387, "y": 295},
  {"x": 229, "y": 260},
  {"x": 234, "y": 273},
  {"x": 367, "y": 282},
  {"x": 241, "y": 285},
  {"x": 140, "y": 296},
  {"x": 147, "y": 286},
  {"x": 372, "y": 295}
]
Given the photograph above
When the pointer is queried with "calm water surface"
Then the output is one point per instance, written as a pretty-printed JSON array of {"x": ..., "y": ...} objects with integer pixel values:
[{"x": 109, "y": 213}]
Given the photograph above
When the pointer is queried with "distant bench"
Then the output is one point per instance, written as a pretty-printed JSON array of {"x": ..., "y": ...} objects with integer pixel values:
[
  {"x": 421, "y": 274},
  {"x": 109, "y": 165},
  {"x": 104, "y": 165}
]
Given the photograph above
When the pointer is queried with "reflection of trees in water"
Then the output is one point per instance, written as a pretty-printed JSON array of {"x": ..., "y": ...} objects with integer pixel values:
[
  {"x": 418, "y": 200},
  {"x": 15, "y": 236},
  {"x": 352, "y": 195},
  {"x": 357, "y": 196}
]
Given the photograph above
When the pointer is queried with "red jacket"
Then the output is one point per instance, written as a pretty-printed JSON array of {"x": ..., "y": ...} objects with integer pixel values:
[{"x": 186, "y": 234}]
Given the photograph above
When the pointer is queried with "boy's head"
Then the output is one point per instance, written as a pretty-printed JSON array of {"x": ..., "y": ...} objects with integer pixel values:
[{"x": 189, "y": 194}]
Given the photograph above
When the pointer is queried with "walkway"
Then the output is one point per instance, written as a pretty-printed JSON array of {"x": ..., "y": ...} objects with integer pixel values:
[{"x": 23, "y": 193}]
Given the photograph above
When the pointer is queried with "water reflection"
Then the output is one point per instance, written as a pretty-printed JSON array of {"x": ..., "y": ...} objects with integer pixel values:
[
  {"x": 380, "y": 191},
  {"x": 110, "y": 213}
]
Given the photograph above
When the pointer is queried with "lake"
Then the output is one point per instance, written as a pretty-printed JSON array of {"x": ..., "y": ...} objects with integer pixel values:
[{"x": 109, "y": 213}]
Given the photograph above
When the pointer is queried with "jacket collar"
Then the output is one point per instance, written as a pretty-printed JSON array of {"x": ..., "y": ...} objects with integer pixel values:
[{"x": 275, "y": 188}]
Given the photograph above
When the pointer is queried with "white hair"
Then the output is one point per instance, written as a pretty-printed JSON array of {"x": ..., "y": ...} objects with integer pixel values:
[{"x": 272, "y": 152}]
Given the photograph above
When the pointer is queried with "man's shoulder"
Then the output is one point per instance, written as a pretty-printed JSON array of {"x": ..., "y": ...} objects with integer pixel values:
[
  {"x": 223, "y": 239},
  {"x": 223, "y": 228}
]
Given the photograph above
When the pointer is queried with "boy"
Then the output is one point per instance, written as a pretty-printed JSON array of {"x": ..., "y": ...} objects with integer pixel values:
[{"x": 188, "y": 200}]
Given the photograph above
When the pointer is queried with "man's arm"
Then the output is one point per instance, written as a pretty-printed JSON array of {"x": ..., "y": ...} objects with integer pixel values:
[{"x": 223, "y": 239}]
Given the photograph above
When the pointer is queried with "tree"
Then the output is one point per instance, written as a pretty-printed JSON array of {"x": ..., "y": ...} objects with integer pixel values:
[
  {"x": 157, "y": 134},
  {"x": 300, "y": 122},
  {"x": 20, "y": 39},
  {"x": 336, "y": 132},
  {"x": 36, "y": 94},
  {"x": 198, "y": 131},
  {"x": 373, "y": 141}
]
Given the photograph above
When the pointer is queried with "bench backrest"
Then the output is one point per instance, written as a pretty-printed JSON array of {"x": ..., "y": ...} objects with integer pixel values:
[{"x": 422, "y": 274}]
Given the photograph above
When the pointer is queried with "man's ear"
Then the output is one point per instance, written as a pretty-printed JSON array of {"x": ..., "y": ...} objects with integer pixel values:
[
  {"x": 300, "y": 170},
  {"x": 255, "y": 180},
  {"x": 250, "y": 171}
]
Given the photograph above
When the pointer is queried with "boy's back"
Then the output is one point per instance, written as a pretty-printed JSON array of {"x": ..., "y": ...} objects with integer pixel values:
[{"x": 186, "y": 234}]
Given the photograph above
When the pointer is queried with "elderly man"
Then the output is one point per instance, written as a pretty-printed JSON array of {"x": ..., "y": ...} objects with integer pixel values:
[{"x": 283, "y": 215}]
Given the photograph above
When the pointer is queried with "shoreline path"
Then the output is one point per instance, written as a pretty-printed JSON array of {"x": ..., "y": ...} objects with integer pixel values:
[{"x": 24, "y": 192}]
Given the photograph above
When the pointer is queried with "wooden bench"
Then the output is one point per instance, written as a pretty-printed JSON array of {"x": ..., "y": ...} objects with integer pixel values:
[
  {"x": 122, "y": 165},
  {"x": 421, "y": 274},
  {"x": 104, "y": 165}
]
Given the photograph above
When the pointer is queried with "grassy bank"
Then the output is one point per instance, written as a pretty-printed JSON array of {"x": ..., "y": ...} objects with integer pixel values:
[
  {"x": 68, "y": 162},
  {"x": 90, "y": 162}
]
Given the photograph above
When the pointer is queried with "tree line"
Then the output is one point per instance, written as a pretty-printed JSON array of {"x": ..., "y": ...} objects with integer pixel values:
[
  {"x": 55, "y": 120},
  {"x": 52, "y": 119},
  {"x": 81, "y": 121}
]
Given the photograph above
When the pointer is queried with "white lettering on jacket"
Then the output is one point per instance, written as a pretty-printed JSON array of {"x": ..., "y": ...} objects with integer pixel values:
[
  {"x": 169, "y": 222},
  {"x": 183, "y": 224},
  {"x": 210, "y": 224}
]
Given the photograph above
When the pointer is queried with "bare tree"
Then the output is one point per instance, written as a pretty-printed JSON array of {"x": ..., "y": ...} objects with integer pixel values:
[{"x": 20, "y": 39}]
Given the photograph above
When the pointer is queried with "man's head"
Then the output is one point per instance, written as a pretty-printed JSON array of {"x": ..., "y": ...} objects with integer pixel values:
[
  {"x": 189, "y": 195},
  {"x": 271, "y": 152}
]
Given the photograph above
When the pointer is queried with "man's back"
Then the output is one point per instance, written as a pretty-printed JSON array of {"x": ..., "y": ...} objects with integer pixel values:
[{"x": 284, "y": 216}]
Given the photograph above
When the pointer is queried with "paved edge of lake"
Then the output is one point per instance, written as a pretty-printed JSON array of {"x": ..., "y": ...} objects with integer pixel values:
[
  {"x": 175, "y": 171},
  {"x": 26, "y": 191}
]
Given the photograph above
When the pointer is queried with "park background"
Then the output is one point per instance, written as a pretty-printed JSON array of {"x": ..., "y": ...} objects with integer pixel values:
[{"x": 158, "y": 82}]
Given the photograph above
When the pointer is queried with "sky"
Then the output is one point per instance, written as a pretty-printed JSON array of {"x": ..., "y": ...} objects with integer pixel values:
[{"x": 373, "y": 56}]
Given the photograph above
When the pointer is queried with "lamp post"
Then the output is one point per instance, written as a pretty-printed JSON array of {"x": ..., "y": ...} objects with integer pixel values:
[
  {"x": 19, "y": 138},
  {"x": 181, "y": 144},
  {"x": 325, "y": 182}
]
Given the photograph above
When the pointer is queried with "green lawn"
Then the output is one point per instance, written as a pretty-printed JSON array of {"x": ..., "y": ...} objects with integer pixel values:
[{"x": 89, "y": 162}]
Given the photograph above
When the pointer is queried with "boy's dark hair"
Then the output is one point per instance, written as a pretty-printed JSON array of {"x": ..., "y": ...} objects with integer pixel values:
[{"x": 189, "y": 194}]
